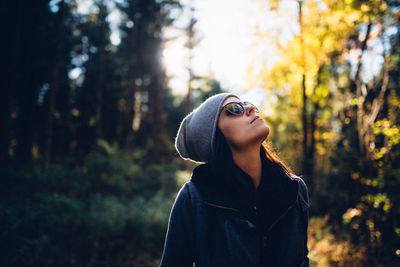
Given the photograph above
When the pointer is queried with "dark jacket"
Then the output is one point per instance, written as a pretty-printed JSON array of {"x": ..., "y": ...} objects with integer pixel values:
[{"x": 211, "y": 224}]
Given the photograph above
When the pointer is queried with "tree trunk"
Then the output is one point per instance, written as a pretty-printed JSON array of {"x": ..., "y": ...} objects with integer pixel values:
[
  {"x": 8, "y": 99},
  {"x": 306, "y": 160},
  {"x": 190, "y": 44},
  {"x": 360, "y": 103},
  {"x": 189, "y": 102},
  {"x": 31, "y": 44},
  {"x": 134, "y": 81},
  {"x": 99, "y": 93},
  {"x": 311, "y": 150},
  {"x": 54, "y": 85},
  {"x": 157, "y": 108}
]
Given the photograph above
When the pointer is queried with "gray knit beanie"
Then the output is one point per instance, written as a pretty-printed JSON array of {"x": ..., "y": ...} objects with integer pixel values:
[{"x": 196, "y": 135}]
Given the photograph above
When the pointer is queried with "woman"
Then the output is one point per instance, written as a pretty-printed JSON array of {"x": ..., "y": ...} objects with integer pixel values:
[{"x": 242, "y": 207}]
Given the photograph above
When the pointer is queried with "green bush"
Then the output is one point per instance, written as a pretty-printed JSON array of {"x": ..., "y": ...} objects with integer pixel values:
[{"x": 113, "y": 210}]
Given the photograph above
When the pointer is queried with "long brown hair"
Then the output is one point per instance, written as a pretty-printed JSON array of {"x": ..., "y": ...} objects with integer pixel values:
[{"x": 272, "y": 156}]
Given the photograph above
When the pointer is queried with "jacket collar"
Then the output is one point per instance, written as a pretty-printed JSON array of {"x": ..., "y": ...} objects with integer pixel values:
[{"x": 231, "y": 188}]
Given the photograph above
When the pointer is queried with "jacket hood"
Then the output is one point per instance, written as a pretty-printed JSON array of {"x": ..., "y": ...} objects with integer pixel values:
[{"x": 229, "y": 186}]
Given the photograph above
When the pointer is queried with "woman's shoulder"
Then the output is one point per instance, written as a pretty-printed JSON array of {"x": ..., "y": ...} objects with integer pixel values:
[
  {"x": 189, "y": 191},
  {"x": 302, "y": 184},
  {"x": 194, "y": 188},
  {"x": 298, "y": 178}
]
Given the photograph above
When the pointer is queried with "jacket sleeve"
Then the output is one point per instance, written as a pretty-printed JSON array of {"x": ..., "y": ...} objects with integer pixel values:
[
  {"x": 304, "y": 192},
  {"x": 178, "y": 247}
]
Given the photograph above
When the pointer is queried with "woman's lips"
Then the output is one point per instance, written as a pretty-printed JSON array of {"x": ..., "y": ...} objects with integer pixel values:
[{"x": 255, "y": 118}]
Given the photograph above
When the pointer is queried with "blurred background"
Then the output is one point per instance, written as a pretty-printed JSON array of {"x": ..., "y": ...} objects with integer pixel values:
[{"x": 93, "y": 92}]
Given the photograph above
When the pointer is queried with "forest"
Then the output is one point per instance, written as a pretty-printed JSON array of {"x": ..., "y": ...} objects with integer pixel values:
[{"x": 88, "y": 117}]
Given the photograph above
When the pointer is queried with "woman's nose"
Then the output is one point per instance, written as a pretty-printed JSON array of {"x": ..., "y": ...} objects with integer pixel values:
[{"x": 249, "y": 109}]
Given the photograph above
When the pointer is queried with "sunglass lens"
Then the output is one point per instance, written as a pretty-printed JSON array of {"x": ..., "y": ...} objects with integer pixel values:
[
  {"x": 234, "y": 108},
  {"x": 250, "y": 104}
]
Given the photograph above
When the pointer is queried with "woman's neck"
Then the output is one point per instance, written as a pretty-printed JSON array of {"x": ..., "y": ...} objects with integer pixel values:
[{"x": 249, "y": 161}]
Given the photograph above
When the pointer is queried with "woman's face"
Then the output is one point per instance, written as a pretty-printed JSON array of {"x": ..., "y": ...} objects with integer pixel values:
[{"x": 242, "y": 130}]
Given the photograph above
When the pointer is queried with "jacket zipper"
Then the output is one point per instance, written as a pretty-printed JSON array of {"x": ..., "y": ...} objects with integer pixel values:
[
  {"x": 265, "y": 236},
  {"x": 255, "y": 208},
  {"x": 221, "y": 207},
  {"x": 283, "y": 214}
]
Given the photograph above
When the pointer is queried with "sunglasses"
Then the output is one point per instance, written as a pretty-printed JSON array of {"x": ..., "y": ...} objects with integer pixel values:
[{"x": 237, "y": 108}]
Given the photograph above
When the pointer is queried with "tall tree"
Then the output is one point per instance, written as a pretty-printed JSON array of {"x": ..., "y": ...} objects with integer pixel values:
[
  {"x": 192, "y": 41},
  {"x": 9, "y": 81},
  {"x": 145, "y": 80},
  {"x": 32, "y": 72},
  {"x": 302, "y": 74},
  {"x": 351, "y": 122},
  {"x": 54, "y": 83}
]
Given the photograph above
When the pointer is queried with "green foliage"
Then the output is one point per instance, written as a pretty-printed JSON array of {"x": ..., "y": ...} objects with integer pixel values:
[
  {"x": 338, "y": 123},
  {"x": 111, "y": 209}
]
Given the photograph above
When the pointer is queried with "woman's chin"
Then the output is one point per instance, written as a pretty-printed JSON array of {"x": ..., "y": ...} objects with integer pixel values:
[
  {"x": 264, "y": 132},
  {"x": 259, "y": 137}
]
